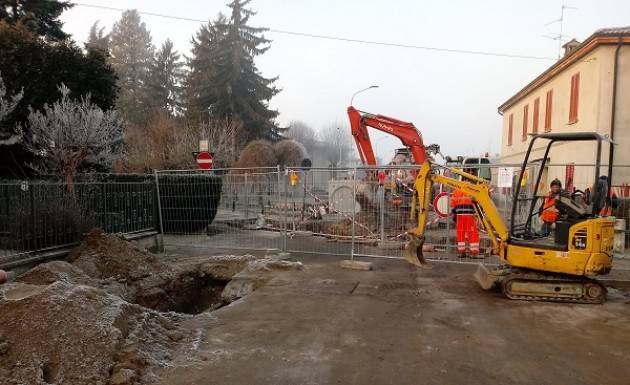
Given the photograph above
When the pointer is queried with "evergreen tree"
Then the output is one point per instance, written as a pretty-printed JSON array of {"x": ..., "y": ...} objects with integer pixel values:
[
  {"x": 243, "y": 93},
  {"x": 200, "y": 92},
  {"x": 39, "y": 16},
  {"x": 226, "y": 81},
  {"x": 165, "y": 78},
  {"x": 131, "y": 53},
  {"x": 98, "y": 39}
]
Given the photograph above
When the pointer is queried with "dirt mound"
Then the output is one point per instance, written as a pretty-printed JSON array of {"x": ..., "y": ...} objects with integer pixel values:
[
  {"x": 50, "y": 272},
  {"x": 75, "y": 334},
  {"x": 108, "y": 256}
]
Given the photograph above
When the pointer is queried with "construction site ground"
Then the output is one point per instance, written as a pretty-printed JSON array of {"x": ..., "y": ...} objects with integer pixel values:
[
  {"x": 114, "y": 314},
  {"x": 398, "y": 324}
]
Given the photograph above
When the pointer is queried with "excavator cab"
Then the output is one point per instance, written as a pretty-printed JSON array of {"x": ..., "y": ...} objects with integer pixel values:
[
  {"x": 529, "y": 206},
  {"x": 560, "y": 267}
]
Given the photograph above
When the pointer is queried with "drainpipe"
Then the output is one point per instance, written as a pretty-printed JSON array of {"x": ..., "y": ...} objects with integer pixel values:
[{"x": 613, "y": 114}]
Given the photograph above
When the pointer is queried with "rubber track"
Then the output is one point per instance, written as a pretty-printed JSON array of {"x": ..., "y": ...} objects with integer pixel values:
[{"x": 529, "y": 276}]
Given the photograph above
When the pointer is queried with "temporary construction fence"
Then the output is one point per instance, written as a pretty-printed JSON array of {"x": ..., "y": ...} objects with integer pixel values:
[
  {"x": 348, "y": 212},
  {"x": 343, "y": 211}
]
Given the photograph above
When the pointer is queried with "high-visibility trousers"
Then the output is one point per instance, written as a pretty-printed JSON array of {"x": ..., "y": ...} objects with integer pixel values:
[{"x": 467, "y": 231}]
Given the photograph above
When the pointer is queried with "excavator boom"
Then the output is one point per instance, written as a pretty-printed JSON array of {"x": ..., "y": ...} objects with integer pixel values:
[
  {"x": 475, "y": 187},
  {"x": 405, "y": 131}
]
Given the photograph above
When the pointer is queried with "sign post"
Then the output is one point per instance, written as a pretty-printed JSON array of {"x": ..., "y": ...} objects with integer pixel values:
[{"x": 204, "y": 160}]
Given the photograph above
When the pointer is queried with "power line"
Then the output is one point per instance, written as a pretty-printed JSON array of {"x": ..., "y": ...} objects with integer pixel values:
[{"x": 338, "y": 38}]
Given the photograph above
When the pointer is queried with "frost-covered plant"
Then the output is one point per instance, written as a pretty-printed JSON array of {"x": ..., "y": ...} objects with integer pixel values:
[{"x": 71, "y": 134}]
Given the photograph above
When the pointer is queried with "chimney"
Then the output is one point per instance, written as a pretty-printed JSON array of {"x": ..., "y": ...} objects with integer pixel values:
[{"x": 570, "y": 46}]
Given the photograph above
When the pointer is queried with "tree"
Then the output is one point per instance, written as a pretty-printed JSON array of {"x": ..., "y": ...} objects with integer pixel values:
[
  {"x": 335, "y": 145},
  {"x": 29, "y": 63},
  {"x": 98, "y": 39},
  {"x": 72, "y": 134},
  {"x": 7, "y": 105},
  {"x": 234, "y": 87},
  {"x": 39, "y": 16},
  {"x": 165, "y": 142},
  {"x": 165, "y": 78},
  {"x": 131, "y": 53},
  {"x": 304, "y": 134},
  {"x": 200, "y": 92}
]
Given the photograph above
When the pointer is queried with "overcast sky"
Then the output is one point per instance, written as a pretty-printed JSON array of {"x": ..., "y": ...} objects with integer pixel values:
[{"x": 451, "y": 97}]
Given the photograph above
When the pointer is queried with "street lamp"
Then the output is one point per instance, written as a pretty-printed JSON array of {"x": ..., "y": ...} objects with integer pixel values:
[{"x": 359, "y": 91}]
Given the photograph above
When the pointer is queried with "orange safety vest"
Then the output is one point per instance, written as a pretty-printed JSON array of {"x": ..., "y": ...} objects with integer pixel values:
[
  {"x": 461, "y": 203},
  {"x": 549, "y": 213}
]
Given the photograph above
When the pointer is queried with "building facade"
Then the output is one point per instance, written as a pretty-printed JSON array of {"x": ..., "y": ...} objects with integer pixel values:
[{"x": 586, "y": 90}]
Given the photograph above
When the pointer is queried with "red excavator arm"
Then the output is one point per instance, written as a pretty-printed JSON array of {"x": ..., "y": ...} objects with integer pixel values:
[{"x": 405, "y": 131}]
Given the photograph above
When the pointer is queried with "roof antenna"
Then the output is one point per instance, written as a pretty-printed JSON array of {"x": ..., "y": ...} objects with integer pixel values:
[{"x": 560, "y": 36}]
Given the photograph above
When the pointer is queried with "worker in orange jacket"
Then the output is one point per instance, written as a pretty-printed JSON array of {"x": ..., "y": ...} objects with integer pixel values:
[
  {"x": 466, "y": 225},
  {"x": 549, "y": 213}
]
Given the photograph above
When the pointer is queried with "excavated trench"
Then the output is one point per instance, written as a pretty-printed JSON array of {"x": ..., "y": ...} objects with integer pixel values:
[{"x": 189, "y": 293}]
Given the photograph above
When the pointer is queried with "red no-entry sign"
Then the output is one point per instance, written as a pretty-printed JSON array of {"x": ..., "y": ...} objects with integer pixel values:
[{"x": 204, "y": 160}]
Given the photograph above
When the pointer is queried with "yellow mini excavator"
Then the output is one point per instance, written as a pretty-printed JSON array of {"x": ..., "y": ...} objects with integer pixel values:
[{"x": 532, "y": 266}]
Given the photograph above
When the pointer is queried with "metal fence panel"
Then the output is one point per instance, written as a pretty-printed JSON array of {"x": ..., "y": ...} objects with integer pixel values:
[
  {"x": 235, "y": 209},
  {"x": 40, "y": 215}
]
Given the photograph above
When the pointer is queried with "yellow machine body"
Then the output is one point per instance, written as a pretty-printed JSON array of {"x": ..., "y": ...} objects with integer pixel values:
[{"x": 590, "y": 251}]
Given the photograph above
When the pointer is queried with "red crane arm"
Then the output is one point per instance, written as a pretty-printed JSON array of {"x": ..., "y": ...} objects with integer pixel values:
[{"x": 405, "y": 131}]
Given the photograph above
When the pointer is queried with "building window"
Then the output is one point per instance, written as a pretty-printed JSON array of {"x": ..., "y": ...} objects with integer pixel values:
[
  {"x": 510, "y": 129},
  {"x": 525, "y": 117},
  {"x": 548, "y": 108},
  {"x": 575, "y": 96},
  {"x": 535, "y": 116}
]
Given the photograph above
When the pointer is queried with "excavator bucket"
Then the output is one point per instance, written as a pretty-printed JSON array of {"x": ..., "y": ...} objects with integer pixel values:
[
  {"x": 485, "y": 278},
  {"x": 413, "y": 251}
]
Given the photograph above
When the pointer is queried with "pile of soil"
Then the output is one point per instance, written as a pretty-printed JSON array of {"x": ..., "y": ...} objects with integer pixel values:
[
  {"x": 108, "y": 256},
  {"x": 114, "y": 314},
  {"x": 77, "y": 334}
]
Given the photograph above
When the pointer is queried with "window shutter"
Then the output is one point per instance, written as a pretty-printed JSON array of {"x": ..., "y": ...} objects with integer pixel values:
[
  {"x": 548, "y": 110},
  {"x": 525, "y": 117},
  {"x": 510, "y": 129},
  {"x": 535, "y": 117}
]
